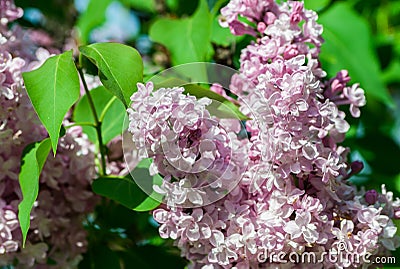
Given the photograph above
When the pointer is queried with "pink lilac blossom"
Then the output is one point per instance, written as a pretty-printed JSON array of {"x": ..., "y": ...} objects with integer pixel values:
[
  {"x": 293, "y": 195},
  {"x": 9, "y": 12},
  {"x": 194, "y": 151},
  {"x": 56, "y": 231}
]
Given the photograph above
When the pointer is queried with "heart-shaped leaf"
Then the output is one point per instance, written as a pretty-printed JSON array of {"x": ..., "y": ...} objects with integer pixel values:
[
  {"x": 120, "y": 67},
  {"x": 53, "y": 88}
]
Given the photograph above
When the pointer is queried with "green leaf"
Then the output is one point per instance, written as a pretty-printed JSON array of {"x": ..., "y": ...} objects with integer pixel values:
[
  {"x": 120, "y": 67},
  {"x": 126, "y": 191},
  {"x": 188, "y": 39},
  {"x": 222, "y": 108},
  {"x": 53, "y": 88},
  {"x": 146, "y": 6},
  {"x": 113, "y": 121},
  {"x": 32, "y": 162},
  {"x": 348, "y": 45},
  {"x": 316, "y": 5},
  {"x": 93, "y": 16}
]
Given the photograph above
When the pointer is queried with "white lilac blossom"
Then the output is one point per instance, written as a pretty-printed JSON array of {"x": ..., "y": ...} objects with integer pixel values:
[
  {"x": 293, "y": 195},
  {"x": 65, "y": 197}
]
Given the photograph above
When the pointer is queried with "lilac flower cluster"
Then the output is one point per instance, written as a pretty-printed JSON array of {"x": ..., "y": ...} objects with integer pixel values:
[
  {"x": 194, "y": 151},
  {"x": 65, "y": 196},
  {"x": 293, "y": 193}
]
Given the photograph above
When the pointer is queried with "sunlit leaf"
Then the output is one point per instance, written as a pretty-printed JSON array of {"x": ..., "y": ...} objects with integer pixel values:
[
  {"x": 120, "y": 67},
  {"x": 316, "y": 5},
  {"x": 32, "y": 162},
  {"x": 53, "y": 88}
]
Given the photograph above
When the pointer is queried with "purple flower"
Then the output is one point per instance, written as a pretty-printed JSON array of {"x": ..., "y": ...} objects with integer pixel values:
[
  {"x": 294, "y": 194},
  {"x": 186, "y": 143},
  {"x": 356, "y": 98},
  {"x": 345, "y": 231}
]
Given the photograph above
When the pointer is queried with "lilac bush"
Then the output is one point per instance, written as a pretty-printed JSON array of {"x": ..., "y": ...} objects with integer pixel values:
[
  {"x": 255, "y": 187},
  {"x": 295, "y": 194}
]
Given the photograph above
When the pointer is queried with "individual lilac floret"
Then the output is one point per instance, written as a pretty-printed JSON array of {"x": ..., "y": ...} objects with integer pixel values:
[
  {"x": 301, "y": 226},
  {"x": 371, "y": 197}
]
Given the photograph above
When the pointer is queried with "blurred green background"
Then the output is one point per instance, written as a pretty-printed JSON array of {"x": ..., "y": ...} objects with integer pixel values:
[{"x": 361, "y": 36}]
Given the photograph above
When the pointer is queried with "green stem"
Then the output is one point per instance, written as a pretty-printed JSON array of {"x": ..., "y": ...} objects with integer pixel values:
[
  {"x": 107, "y": 107},
  {"x": 81, "y": 124},
  {"x": 216, "y": 7},
  {"x": 97, "y": 123}
]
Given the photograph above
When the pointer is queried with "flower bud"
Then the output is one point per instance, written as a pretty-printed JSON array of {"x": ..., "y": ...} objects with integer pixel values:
[{"x": 371, "y": 197}]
